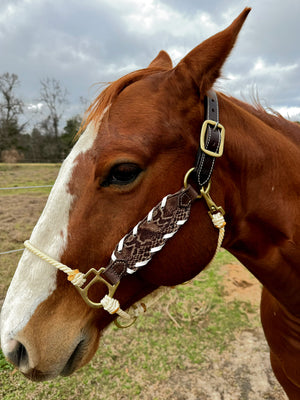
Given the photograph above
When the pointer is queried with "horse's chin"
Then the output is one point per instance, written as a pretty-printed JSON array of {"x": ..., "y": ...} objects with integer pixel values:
[{"x": 38, "y": 376}]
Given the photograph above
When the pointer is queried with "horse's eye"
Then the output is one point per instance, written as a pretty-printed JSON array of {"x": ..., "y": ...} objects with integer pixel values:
[{"x": 122, "y": 174}]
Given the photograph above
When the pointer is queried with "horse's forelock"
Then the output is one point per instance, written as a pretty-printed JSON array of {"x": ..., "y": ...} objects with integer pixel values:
[{"x": 96, "y": 110}]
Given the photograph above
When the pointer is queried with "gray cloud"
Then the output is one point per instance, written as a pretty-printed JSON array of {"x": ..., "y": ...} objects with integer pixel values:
[{"x": 82, "y": 43}]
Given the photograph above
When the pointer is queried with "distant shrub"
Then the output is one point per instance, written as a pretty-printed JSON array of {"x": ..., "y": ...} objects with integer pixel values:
[{"x": 11, "y": 156}]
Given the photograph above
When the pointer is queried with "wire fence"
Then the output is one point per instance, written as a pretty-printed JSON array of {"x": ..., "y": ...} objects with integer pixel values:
[
  {"x": 11, "y": 251},
  {"x": 16, "y": 188},
  {"x": 25, "y": 187}
]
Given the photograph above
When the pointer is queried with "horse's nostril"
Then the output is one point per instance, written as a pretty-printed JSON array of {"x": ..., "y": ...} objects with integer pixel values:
[{"x": 18, "y": 356}]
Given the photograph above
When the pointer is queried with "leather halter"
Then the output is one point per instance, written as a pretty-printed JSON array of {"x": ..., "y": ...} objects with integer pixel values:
[{"x": 149, "y": 236}]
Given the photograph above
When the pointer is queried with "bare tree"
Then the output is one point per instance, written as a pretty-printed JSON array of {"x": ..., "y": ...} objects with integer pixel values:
[
  {"x": 10, "y": 107},
  {"x": 54, "y": 96}
]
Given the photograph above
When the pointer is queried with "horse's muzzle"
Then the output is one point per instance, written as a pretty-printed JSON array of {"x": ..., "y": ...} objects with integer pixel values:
[{"x": 20, "y": 358}]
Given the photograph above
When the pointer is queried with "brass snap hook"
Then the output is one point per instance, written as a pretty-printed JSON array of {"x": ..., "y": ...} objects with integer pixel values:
[{"x": 213, "y": 208}]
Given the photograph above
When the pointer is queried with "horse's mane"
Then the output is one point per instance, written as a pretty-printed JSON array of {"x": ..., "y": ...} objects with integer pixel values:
[
  {"x": 109, "y": 94},
  {"x": 272, "y": 118}
]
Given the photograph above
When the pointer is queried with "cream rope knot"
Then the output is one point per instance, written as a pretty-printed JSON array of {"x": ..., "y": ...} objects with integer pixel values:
[
  {"x": 76, "y": 277},
  {"x": 218, "y": 220},
  {"x": 112, "y": 306}
]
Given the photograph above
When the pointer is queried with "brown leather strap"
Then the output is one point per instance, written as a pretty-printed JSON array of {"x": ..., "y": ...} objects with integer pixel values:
[
  {"x": 204, "y": 162},
  {"x": 138, "y": 247}
]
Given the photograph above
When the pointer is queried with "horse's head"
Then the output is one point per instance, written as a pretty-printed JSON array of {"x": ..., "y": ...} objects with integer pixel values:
[{"x": 141, "y": 137}]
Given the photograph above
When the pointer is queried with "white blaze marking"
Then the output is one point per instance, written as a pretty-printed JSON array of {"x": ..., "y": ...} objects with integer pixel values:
[{"x": 35, "y": 280}]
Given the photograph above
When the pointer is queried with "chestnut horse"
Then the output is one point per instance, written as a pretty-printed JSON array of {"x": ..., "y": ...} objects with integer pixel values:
[{"x": 140, "y": 138}]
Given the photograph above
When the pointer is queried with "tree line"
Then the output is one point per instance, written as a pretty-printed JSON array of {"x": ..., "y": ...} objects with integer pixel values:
[{"x": 44, "y": 140}]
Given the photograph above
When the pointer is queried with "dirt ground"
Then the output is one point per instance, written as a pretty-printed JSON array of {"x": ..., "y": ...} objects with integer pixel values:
[{"x": 243, "y": 371}]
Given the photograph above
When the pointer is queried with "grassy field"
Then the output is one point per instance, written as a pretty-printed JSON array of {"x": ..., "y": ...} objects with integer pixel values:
[{"x": 173, "y": 345}]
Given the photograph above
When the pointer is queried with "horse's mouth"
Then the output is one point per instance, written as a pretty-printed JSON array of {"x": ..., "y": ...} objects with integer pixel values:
[{"x": 74, "y": 359}]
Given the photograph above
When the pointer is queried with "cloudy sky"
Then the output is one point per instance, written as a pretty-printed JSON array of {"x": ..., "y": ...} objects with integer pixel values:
[{"x": 83, "y": 42}]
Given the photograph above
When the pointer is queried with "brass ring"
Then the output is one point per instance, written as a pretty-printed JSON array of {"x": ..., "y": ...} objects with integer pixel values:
[
  {"x": 125, "y": 325},
  {"x": 187, "y": 175},
  {"x": 186, "y": 178}
]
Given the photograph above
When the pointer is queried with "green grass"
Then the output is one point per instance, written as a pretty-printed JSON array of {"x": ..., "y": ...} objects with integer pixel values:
[
  {"x": 4, "y": 365},
  {"x": 129, "y": 360},
  {"x": 20, "y": 209},
  {"x": 15, "y": 175}
]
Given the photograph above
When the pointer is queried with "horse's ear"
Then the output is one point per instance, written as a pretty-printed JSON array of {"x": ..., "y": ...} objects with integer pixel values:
[
  {"x": 162, "y": 60},
  {"x": 203, "y": 64}
]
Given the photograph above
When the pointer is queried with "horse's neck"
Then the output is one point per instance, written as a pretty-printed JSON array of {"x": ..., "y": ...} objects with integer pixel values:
[{"x": 262, "y": 169}]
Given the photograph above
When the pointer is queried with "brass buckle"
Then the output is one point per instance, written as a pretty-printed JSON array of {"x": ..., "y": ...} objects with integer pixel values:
[
  {"x": 97, "y": 278},
  {"x": 215, "y": 125}
]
